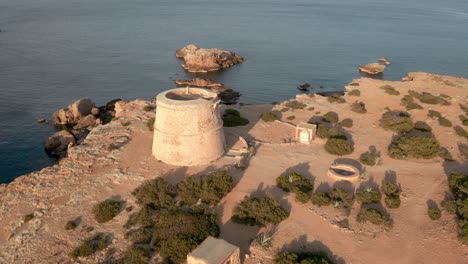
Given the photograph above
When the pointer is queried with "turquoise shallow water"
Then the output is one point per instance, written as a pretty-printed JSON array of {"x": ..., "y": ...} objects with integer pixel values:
[{"x": 53, "y": 52}]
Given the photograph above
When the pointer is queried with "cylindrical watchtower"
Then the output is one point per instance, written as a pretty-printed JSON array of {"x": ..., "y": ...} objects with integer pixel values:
[{"x": 188, "y": 129}]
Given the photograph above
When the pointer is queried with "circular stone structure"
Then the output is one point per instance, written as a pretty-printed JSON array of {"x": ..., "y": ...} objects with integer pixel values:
[
  {"x": 343, "y": 172},
  {"x": 188, "y": 129}
]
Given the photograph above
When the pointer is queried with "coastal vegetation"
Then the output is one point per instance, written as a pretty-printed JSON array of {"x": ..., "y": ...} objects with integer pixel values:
[
  {"x": 331, "y": 117},
  {"x": 295, "y": 105},
  {"x": 359, "y": 107},
  {"x": 291, "y": 257},
  {"x": 396, "y": 121},
  {"x": 370, "y": 158},
  {"x": 107, "y": 210},
  {"x": 392, "y": 194},
  {"x": 457, "y": 202},
  {"x": 208, "y": 189},
  {"x": 420, "y": 145},
  {"x": 347, "y": 122},
  {"x": 434, "y": 213},
  {"x": 390, "y": 90},
  {"x": 354, "y": 92},
  {"x": 92, "y": 245},
  {"x": 150, "y": 123},
  {"x": 269, "y": 117},
  {"x": 368, "y": 196},
  {"x": 259, "y": 211},
  {"x": 336, "y": 99},
  {"x": 232, "y": 118},
  {"x": 373, "y": 216},
  {"x": 339, "y": 145},
  {"x": 296, "y": 183}
]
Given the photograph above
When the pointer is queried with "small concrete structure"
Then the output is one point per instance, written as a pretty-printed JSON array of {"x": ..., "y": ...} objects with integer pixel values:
[
  {"x": 344, "y": 172},
  {"x": 188, "y": 129},
  {"x": 305, "y": 132},
  {"x": 214, "y": 251}
]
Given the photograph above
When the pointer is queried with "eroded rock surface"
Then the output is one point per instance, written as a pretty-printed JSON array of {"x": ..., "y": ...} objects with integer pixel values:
[
  {"x": 206, "y": 60},
  {"x": 372, "y": 68}
]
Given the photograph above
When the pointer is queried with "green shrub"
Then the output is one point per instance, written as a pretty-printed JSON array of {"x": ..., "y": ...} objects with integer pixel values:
[
  {"x": 390, "y": 90},
  {"x": 428, "y": 98},
  {"x": 339, "y": 146},
  {"x": 28, "y": 217},
  {"x": 458, "y": 183},
  {"x": 327, "y": 131},
  {"x": 259, "y": 211},
  {"x": 370, "y": 158},
  {"x": 269, "y": 117},
  {"x": 463, "y": 119},
  {"x": 445, "y": 154},
  {"x": 445, "y": 122},
  {"x": 144, "y": 217},
  {"x": 311, "y": 108},
  {"x": 462, "y": 208},
  {"x": 157, "y": 192},
  {"x": 177, "y": 233},
  {"x": 461, "y": 132},
  {"x": 232, "y": 118},
  {"x": 409, "y": 103},
  {"x": 320, "y": 199},
  {"x": 295, "y": 105},
  {"x": 302, "y": 257},
  {"x": 420, "y": 146},
  {"x": 302, "y": 197},
  {"x": 291, "y": 117},
  {"x": 150, "y": 123},
  {"x": 359, "y": 107},
  {"x": 463, "y": 231},
  {"x": 464, "y": 108},
  {"x": 422, "y": 126},
  {"x": 368, "y": 196},
  {"x": 139, "y": 236},
  {"x": 463, "y": 150},
  {"x": 450, "y": 206},
  {"x": 354, "y": 92},
  {"x": 396, "y": 121},
  {"x": 413, "y": 105},
  {"x": 210, "y": 188},
  {"x": 434, "y": 213},
  {"x": 107, "y": 210},
  {"x": 92, "y": 245},
  {"x": 348, "y": 123},
  {"x": 71, "y": 224},
  {"x": 341, "y": 198},
  {"x": 135, "y": 255},
  {"x": 392, "y": 194},
  {"x": 294, "y": 182},
  {"x": 433, "y": 114},
  {"x": 336, "y": 98},
  {"x": 284, "y": 110},
  {"x": 331, "y": 117},
  {"x": 373, "y": 216},
  {"x": 148, "y": 108}
]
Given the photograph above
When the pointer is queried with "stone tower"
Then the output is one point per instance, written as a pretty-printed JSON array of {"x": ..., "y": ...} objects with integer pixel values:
[{"x": 188, "y": 129}]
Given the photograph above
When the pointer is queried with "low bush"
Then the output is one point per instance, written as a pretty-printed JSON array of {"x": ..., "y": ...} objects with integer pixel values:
[
  {"x": 339, "y": 145},
  {"x": 449, "y": 205},
  {"x": 107, "y": 210},
  {"x": 269, "y": 117},
  {"x": 428, "y": 98},
  {"x": 354, "y": 92},
  {"x": 463, "y": 119},
  {"x": 284, "y": 110},
  {"x": 458, "y": 183},
  {"x": 291, "y": 117},
  {"x": 341, "y": 198},
  {"x": 464, "y": 108},
  {"x": 331, "y": 117},
  {"x": 373, "y": 216},
  {"x": 359, "y": 107},
  {"x": 370, "y": 158},
  {"x": 144, "y": 217},
  {"x": 150, "y": 123},
  {"x": 445, "y": 122},
  {"x": 463, "y": 148},
  {"x": 157, "y": 192},
  {"x": 139, "y": 236},
  {"x": 416, "y": 145},
  {"x": 368, "y": 196},
  {"x": 396, "y": 121},
  {"x": 259, "y": 211},
  {"x": 348, "y": 123},
  {"x": 336, "y": 98},
  {"x": 232, "y": 118},
  {"x": 390, "y": 90},
  {"x": 296, "y": 183},
  {"x": 295, "y": 105},
  {"x": 28, "y": 217},
  {"x": 71, "y": 224},
  {"x": 92, "y": 245},
  {"x": 302, "y": 197},
  {"x": 302, "y": 257},
  {"x": 327, "y": 131},
  {"x": 445, "y": 154},
  {"x": 413, "y": 105},
  {"x": 461, "y": 131},
  {"x": 422, "y": 126},
  {"x": 433, "y": 114},
  {"x": 177, "y": 233},
  {"x": 392, "y": 194},
  {"x": 434, "y": 213},
  {"x": 135, "y": 255},
  {"x": 148, "y": 108},
  {"x": 209, "y": 189},
  {"x": 320, "y": 199},
  {"x": 409, "y": 103}
]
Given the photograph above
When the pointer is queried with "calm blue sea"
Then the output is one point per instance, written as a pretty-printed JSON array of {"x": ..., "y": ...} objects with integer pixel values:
[{"x": 53, "y": 52}]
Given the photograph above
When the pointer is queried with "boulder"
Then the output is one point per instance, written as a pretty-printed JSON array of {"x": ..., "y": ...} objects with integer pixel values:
[
  {"x": 384, "y": 61},
  {"x": 74, "y": 112},
  {"x": 206, "y": 60},
  {"x": 87, "y": 121},
  {"x": 303, "y": 87},
  {"x": 57, "y": 144},
  {"x": 372, "y": 68},
  {"x": 197, "y": 82}
]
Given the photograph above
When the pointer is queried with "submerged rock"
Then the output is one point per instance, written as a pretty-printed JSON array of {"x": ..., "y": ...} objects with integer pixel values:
[
  {"x": 384, "y": 61},
  {"x": 57, "y": 144},
  {"x": 303, "y": 87},
  {"x": 372, "y": 68},
  {"x": 205, "y": 60}
]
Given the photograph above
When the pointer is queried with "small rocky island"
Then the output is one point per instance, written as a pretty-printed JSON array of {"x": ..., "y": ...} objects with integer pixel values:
[
  {"x": 271, "y": 194},
  {"x": 206, "y": 60}
]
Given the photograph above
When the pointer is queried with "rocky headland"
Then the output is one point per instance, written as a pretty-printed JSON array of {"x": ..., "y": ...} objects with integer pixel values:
[{"x": 115, "y": 158}]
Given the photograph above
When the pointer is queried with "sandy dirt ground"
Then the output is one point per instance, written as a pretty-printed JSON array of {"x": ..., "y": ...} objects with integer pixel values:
[{"x": 93, "y": 173}]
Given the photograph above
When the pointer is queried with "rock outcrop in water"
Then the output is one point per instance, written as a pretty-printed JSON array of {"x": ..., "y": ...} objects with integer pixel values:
[
  {"x": 226, "y": 95},
  {"x": 372, "y": 68},
  {"x": 206, "y": 60},
  {"x": 74, "y": 112}
]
